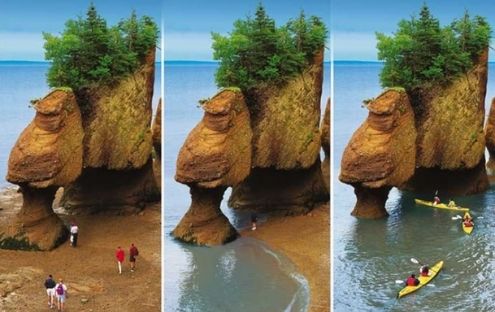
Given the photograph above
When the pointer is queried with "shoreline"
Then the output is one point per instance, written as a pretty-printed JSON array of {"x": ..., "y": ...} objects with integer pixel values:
[
  {"x": 305, "y": 240},
  {"x": 90, "y": 270}
]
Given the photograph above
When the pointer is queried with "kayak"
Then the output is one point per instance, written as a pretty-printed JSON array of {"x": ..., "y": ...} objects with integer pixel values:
[
  {"x": 423, "y": 280},
  {"x": 439, "y": 206},
  {"x": 467, "y": 229}
]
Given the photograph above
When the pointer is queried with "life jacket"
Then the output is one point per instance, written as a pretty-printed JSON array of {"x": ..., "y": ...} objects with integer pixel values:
[{"x": 411, "y": 281}]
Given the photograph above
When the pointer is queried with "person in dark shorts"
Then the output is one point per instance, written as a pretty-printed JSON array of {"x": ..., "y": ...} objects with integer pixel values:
[{"x": 133, "y": 253}]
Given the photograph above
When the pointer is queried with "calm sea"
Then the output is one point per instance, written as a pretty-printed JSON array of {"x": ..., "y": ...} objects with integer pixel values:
[
  {"x": 370, "y": 255},
  {"x": 245, "y": 275}
]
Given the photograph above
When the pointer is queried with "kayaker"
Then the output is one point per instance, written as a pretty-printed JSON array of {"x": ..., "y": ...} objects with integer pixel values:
[
  {"x": 452, "y": 203},
  {"x": 424, "y": 270},
  {"x": 412, "y": 281},
  {"x": 468, "y": 221},
  {"x": 436, "y": 200}
]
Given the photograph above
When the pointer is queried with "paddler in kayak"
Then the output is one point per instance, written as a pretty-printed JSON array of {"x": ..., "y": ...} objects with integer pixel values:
[
  {"x": 467, "y": 220},
  {"x": 412, "y": 281},
  {"x": 436, "y": 200},
  {"x": 452, "y": 203},
  {"x": 424, "y": 270}
]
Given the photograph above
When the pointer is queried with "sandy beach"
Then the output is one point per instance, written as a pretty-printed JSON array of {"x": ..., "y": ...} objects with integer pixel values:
[
  {"x": 90, "y": 270},
  {"x": 305, "y": 240}
]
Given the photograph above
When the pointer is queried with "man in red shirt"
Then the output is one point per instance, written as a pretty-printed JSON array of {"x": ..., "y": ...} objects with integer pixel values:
[
  {"x": 412, "y": 281},
  {"x": 120, "y": 255},
  {"x": 133, "y": 253}
]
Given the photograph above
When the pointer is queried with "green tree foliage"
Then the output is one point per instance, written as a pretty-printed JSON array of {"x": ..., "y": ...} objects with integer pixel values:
[
  {"x": 422, "y": 52},
  {"x": 88, "y": 51},
  {"x": 258, "y": 51}
]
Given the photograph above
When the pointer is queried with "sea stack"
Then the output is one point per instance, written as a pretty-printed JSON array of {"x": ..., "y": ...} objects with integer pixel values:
[
  {"x": 118, "y": 172},
  {"x": 47, "y": 155},
  {"x": 216, "y": 155},
  {"x": 451, "y": 141},
  {"x": 381, "y": 153},
  {"x": 286, "y": 172},
  {"x": 325, "y": 144}
]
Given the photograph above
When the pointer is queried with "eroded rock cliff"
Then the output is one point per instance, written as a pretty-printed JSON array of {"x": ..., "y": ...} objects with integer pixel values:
[
  {"x": 451, "y": 141},
  {"x": 381, "y": 153},
  {"x": 117, "y": 144},
  {"x": 47, "y": 155},
  {"x": 216, "y": 154},
  {"x": 286, "y": 146},
  {"x": 325, "y": 144}
]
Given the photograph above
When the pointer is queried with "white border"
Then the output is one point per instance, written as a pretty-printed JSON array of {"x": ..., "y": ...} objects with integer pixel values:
[
  {"x": 332, "y": 114},
  {"x": 162, "y": 167}
]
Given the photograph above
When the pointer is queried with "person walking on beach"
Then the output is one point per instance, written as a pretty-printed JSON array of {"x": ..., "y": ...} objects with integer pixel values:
[
  {"x": 74, "y": 231},
  {"x": 61, "y": 293},
  {"x": 50, "y": 290},
  {"x": 120, "y": 255},
  {"x": 133, "y": 253},
  {"x": 254, "y": 219}
]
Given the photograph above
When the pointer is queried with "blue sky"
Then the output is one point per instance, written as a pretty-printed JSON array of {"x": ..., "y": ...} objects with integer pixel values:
[
  {"x": 23, "y": 21},
  {"x": 188, "y": 24},
  {"x": 354, "y": 22}
]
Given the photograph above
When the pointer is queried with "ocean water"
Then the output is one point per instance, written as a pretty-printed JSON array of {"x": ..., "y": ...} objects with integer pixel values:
[
  {"x": 245, "y": 275},
  {"x": 19, "y": 83},
  {"x": 370, "y": 255}
]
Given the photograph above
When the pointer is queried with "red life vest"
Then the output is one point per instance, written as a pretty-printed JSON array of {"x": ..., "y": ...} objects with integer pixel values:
[{"x": 411, "y": 281}]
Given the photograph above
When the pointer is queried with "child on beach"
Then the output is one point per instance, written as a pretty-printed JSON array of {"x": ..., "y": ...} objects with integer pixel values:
[{"x": 120, "y": 255}]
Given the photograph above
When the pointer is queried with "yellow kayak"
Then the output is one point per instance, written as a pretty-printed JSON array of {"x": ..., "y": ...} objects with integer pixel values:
[
  {"x": 467, "y": 229},
  {"x": 439, "y": 206},
  {"x": 423, "y": 280}
]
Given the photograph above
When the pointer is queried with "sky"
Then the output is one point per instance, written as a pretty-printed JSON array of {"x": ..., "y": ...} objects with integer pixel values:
[
  {"x": 354, "y": 22},
  {"x": 188, "y": 24},
  {"x": 23, "y": 21}
]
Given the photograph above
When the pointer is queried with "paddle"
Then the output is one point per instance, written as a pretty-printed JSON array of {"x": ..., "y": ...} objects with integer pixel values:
[{"x": 457, "y": 217}]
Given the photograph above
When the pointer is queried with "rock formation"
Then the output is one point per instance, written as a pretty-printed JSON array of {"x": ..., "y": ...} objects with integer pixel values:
[
  {"x": 451, "y": 141},
  {"x": 490, "y": 138},
  {"x": 47, "y": 155},
  {"x": 325, "y": 144},
  {"x": 157, "y": 144},
  {"x": 118, "y": 171},
  {"x": 448, "y": 153},
  {"x": 215, "y": 155},
  {"x": 381, "y": 153},
  {"x": 286, "y": 146}
]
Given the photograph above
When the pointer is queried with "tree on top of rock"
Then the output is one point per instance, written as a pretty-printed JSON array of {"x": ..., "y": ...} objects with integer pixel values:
[
  {"x": 89, "y": 52},
  {"x": 422, "y": 53},
  {"x": 257, "y": 51}
]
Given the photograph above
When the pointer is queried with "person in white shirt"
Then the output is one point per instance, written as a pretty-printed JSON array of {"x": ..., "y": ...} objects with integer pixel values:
[
  {"x": 61, "y": 293},
  {"x": 74, "y": 231}
]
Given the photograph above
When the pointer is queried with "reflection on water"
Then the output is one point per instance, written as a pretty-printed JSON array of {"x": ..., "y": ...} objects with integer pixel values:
[{"x": 370, "y": 255}]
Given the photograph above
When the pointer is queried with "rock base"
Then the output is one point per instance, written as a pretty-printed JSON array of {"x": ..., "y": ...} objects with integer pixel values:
[
  {"x": 291, "y": 192},
  {"x": 450, "y": 183},
  {"x": 36, "y": 226},
  {"x": 370, "y": 202},
  {"x": 204, "y": 223},
  {"x": 111, "y": 191}
]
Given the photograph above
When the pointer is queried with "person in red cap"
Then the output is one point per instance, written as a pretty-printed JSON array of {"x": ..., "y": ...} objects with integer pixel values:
[{"x": 120, "y": 255}]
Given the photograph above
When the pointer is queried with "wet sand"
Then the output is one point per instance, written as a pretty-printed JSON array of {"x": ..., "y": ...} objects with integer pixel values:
[
  {"x": 305, "y": 240},
  {"x": 90, "y": 270}
]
